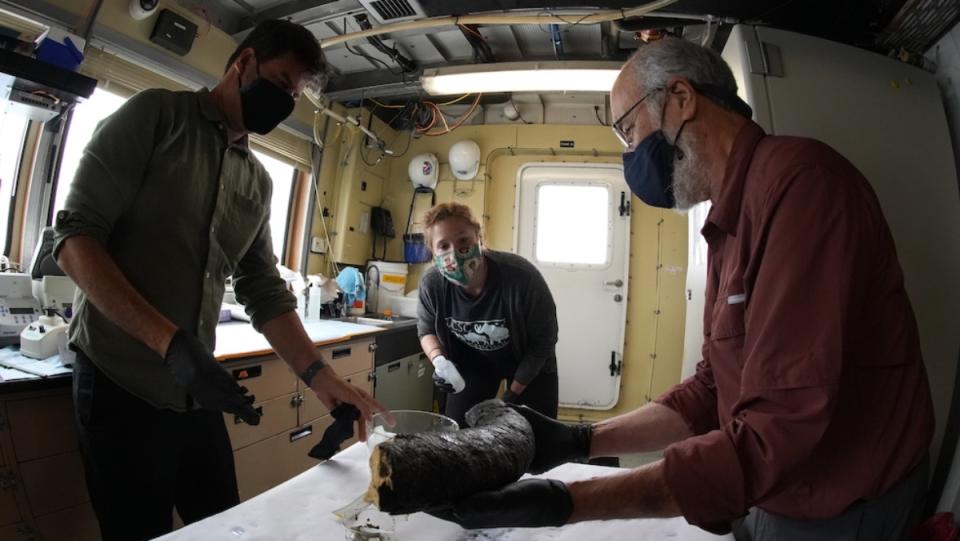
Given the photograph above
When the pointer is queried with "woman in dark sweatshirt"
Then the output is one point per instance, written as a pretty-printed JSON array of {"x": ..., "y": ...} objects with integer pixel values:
[{"x": 489, "y": 313}]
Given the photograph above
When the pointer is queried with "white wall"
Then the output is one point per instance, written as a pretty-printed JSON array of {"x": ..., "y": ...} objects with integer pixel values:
[{"x": 946, "y": 54}]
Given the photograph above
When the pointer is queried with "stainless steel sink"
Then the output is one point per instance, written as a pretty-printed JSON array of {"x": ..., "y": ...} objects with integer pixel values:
[{"x": 379, "y": 320}]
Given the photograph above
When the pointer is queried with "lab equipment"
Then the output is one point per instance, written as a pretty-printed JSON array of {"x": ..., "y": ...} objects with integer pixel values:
[
  {"x": 18, "y": 307},
  {"x": 45, "y": 337}
]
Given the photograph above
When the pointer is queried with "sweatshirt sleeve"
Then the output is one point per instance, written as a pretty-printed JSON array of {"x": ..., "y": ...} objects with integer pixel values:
[{"x": 540, "y": 315}]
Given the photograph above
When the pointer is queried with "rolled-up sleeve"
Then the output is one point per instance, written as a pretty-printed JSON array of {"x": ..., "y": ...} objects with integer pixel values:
[
  {"x": 110, "y": 171},
  {"x": 794, "y": 323},
  {"x": 258, "y": 284},
  {"x": 540, "y": 316},
  {"x": 695, "y": 399}
]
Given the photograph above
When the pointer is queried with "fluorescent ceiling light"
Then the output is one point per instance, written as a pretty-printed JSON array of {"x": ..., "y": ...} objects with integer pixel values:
[{"x": 522, "y": 77}]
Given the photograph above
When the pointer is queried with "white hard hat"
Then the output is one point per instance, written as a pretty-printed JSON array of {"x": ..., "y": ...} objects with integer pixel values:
[
  {"x": 465, "y": 159},
  {"x": 423, "y": 170}
]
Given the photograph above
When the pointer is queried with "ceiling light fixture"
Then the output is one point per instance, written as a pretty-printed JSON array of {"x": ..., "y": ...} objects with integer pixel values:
[{"x": 521, "y": 77}]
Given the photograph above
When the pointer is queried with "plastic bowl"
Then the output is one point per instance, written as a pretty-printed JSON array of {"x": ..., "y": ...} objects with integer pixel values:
[{"x": 406, "y": 422}]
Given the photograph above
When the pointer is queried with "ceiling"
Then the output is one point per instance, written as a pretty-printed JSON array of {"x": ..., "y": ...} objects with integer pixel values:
[{"x": 359, "y": 67}]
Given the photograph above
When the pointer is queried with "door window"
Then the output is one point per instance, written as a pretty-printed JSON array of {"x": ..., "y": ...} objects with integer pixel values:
[{"x": 573, "y": 224}]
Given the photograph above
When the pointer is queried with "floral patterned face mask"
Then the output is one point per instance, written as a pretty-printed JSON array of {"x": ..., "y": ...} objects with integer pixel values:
[{"x": 459, "y": 265}]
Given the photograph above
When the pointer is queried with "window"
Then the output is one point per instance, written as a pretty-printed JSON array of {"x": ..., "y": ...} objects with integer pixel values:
[
  {"x": 282, "y": 176},
  {"x": 86, "y": 116},
  {"x": 102, "y": 104},
  {"x": 573, "y": 224},
  {"x": 13, "y": 128}
]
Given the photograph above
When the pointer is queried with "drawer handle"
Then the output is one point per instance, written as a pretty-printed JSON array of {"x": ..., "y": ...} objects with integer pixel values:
[
  {"x": 340, "y": 353},
  {"x": 296, "y": 400},
  {"x": 237, "y": 420},
  {"x": 241, "y": 374},
  {"x": 393, "y": 367},
  {"x": 301, "y": 433}
]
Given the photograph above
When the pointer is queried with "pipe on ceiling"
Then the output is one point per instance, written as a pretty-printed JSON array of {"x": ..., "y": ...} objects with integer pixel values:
[{"x": 502, "y": 19}]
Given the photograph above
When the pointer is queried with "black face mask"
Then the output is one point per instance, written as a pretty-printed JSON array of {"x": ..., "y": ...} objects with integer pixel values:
[{"x": 263, "y": 104}]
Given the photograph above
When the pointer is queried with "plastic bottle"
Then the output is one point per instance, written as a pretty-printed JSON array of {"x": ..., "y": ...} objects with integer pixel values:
[
  {"x": 446, "y": 370},
  {"x": 314, "y": 302}
]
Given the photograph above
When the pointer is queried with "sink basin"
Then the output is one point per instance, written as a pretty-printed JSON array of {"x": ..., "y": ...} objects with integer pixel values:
[{"x": 379, "y": 320}]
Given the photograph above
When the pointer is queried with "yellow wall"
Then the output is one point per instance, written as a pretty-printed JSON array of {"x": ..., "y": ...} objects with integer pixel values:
[{"x": 658, "y": 245}]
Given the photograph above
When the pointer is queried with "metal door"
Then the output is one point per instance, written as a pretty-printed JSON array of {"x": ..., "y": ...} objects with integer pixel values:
[{"x": 573, "y": 223}]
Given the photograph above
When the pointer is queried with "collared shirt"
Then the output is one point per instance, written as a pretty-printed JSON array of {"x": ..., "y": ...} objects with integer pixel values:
[
  {"x": 812, "y": 393},
  {"x": 179, "y": 209}
]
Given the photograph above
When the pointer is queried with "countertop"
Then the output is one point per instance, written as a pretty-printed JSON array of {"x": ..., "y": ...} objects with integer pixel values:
[
  {"x": 302, "y": 509},
  {"x": 235, "y": 340}
]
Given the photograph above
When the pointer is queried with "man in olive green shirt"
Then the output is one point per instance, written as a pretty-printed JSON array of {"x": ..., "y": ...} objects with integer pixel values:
[{"x": 167, "y": 202}]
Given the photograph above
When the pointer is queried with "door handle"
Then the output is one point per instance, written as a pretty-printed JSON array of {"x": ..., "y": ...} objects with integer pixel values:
[{"x": 615, "y": 283}]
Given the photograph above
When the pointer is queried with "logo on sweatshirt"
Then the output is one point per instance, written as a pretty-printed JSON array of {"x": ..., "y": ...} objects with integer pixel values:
[{"x": 488, "y": 335}]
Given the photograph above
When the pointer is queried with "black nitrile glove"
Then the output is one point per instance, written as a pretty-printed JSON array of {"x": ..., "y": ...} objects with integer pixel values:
[
  {"x": 531, "y": 503},
  {"x": 510, "y": 397},
  {"x": 442, "y": 384},
  {"x": 340, "y": 431},
  {"x": 195, "y": 369},
  {"x": 555, "y": 443}
]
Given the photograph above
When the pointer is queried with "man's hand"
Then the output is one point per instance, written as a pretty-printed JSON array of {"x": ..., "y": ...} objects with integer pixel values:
[
  {"x": 333, "y": 391},
  {"x": 195, "y": 369},
  {"x": 555, "y": 443},
  {"x": 531, "y": 503}
]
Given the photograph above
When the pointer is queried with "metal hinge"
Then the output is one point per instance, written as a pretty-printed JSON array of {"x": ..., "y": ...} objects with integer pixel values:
[
  {"x": 616, "y": 365},
  {"x": 764, "y": 58},
  {"x": 624, "y": 207},
  {"x": 373, "y": 346}
]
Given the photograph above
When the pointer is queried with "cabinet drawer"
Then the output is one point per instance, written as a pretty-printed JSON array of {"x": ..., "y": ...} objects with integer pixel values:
[
  {"x": 42, "y": 426},
  {"x": 277, "y": 415},
  {"x": 349, "y": 358},
  {"x": 76, "y": 523},
  {"x": 9, "y": 513},
  {"x": 266, "y": 464},
  {"x": 266, "y": 379},
  {"x": 54, "y": 483},
  {"x": 17, "y": 532},
  {"x": 314, "y": 408}
]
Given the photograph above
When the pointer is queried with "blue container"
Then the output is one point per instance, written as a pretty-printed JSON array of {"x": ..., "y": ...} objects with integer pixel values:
[
  {"x": 415, "y": 249},
  {"x": 66, "y": 54}
]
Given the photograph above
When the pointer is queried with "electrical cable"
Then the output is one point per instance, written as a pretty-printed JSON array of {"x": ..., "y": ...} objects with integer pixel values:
[
  {"x": 460, "y": 122},
  {"x": 596, "y": 110}
]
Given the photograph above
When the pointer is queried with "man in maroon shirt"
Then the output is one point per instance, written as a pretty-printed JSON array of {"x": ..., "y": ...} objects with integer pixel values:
[{"x": 810, "y": 409}]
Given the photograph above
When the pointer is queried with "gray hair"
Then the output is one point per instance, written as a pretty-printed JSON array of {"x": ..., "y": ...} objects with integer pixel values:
[{"x": 653, "y": 65}]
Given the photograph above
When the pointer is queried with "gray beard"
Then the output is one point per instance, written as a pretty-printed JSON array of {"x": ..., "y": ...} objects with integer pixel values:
[{"x": 690, "y": 183}]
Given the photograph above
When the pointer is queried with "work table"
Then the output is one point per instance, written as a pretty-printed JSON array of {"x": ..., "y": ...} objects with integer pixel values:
[{"x": 302, "y": 508}]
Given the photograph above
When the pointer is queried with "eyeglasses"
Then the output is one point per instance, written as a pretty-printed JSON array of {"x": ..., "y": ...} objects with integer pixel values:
[{"x": 618, "y": 127}]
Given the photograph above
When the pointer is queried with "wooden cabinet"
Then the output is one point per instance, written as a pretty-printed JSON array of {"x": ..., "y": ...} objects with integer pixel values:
[
  {"x": 267, "y": 463},
  {"x": 54, "y": 483},
  {"x": 42, "y": 426},
  {"x": 43, "y": 492},
  {"x": 293, "y": 418},
  {"x": 276, "y": 415}
]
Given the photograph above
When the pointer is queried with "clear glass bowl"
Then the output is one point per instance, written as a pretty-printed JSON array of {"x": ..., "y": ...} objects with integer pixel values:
[{"x": 406, "y": 422}]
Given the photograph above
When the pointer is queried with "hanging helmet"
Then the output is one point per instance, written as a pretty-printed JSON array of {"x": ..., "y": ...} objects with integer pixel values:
[
  {"x": 423, "y": 170},
  {"x": 465, "y": 159}
]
